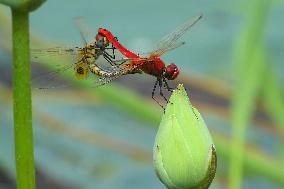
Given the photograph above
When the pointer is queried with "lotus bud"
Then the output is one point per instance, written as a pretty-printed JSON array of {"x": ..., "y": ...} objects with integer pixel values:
[{"x": 184, "y": 153}]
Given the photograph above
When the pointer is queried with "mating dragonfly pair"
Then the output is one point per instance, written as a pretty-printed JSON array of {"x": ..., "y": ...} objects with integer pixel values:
[{"x": 131, "y": 63}]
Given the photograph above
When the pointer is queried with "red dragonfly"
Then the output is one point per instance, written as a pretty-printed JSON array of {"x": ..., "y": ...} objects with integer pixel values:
[
  {"x": 151, "y": 64},
  {"x": 96, "y": 52}
]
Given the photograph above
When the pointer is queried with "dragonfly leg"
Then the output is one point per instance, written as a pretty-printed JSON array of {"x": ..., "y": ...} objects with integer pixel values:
[
  {"x": 161, "y": 90},
  {"x": 167, "y": 85},
  {"x": 110, "y": 56},
  {"x": 111, "y": 59},
  {"x": 120, "y": 63},
  {"x": 106, "y": 56},
  {"x": 153, "y": 94},
  {"x": 113, "y": 48}
]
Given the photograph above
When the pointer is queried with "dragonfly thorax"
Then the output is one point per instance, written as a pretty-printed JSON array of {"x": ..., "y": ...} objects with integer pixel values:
[{"x": 87, "y": 54}]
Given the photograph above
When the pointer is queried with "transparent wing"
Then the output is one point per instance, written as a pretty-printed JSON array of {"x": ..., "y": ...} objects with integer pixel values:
[
  {"x": 55, "y": 51},
  {"x": 55, "y": 79},
  {"x": 160, "y": 52},
  {"x": 128, "y": 60},
  {"x": 83, "y": 28},
  {"x": 66, "y": 75},
  {"x": 169, "y": 42}
]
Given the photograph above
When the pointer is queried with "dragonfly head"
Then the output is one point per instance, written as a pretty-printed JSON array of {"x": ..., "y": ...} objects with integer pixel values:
[
  {"x": 101, "y": 41},
  {"x": 171, "y": 72}
]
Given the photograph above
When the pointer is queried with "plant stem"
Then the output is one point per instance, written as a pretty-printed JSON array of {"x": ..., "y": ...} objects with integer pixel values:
[
  {"x": 251, "y": 60},
  {"x": 273, "y": 98},
  {"x": 242, "y": 111},
  {"x": 22, "y": 101}
]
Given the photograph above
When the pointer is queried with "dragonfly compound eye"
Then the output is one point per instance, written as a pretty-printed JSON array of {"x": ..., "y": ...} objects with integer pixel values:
[{"x": 172, "y": 72}]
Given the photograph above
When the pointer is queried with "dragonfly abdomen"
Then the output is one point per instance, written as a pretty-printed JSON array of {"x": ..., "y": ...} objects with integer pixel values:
[{"x": 95, "y": 69}]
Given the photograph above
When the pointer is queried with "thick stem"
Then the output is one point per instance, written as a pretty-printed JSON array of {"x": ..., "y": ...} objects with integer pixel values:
[{"x": 22, "y": 102}]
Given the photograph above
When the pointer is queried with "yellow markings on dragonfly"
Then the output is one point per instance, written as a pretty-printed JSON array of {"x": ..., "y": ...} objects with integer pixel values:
[
  {"x": 81, "y": 70},
  {"x": 86, "y": 57}
]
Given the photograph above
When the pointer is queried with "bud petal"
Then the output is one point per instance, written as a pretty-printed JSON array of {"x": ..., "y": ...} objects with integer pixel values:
[{"x": 184, "y": 153}]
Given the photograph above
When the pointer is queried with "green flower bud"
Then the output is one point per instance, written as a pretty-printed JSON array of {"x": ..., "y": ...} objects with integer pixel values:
[{"x": 184, "y": 153}]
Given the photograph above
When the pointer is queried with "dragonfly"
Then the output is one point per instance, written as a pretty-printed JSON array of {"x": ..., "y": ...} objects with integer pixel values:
[
  {"x": 150, "y": 64},
  {"x": 82, "y": 58}
]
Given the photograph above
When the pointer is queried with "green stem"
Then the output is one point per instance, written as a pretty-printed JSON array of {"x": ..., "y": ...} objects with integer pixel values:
[
  {"x": 242, "y": 111},
  {"x": 22, "y": 101},
  {"x": 273, "y": 98},
  {"x": 251, "y": 59}
]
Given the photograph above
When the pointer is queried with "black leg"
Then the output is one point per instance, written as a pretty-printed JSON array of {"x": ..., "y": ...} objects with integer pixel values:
[
  {"x": 108, "y": 55},
  {"x": 166, "y": 85},
  {"x": 153, "y": 94},
  {"x": 118, "y": 64},
  {"x": 161, "y": 91},
  {"x": 108, "y": 59},
  {"x": 111, "y": 60},
  {"x": 113, "y": 55}
]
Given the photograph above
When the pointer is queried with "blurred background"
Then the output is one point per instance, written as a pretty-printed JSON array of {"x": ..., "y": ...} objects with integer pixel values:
[{"x": 86, "y": 137}]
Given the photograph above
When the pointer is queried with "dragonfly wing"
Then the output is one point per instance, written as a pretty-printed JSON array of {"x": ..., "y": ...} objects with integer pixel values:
[
  {"x": 128, "y": 60},
  {"x": 53, "y": 52},
  {"x": 169, "y": 41},
  {"x": 160, "y": 52},
  {"x": 83, "y": 28},
  {"x": 52, "y": 79}
]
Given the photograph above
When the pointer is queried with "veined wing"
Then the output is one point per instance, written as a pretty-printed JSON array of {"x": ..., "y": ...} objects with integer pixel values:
[
  {"x": 169, "y": 42},
  {"x": 54, "y": 59},
  {"x": 55, "y": 51},
  {"x": 83, "y": 28},
  {"x": 68, "y": 75},
  {"x": 160, "y": 52},
  {"x": 57, "y": 78}
]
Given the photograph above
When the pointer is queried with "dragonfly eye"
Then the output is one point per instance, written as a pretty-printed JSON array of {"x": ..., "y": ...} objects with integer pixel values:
[{"x": 172, "y": 71}]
